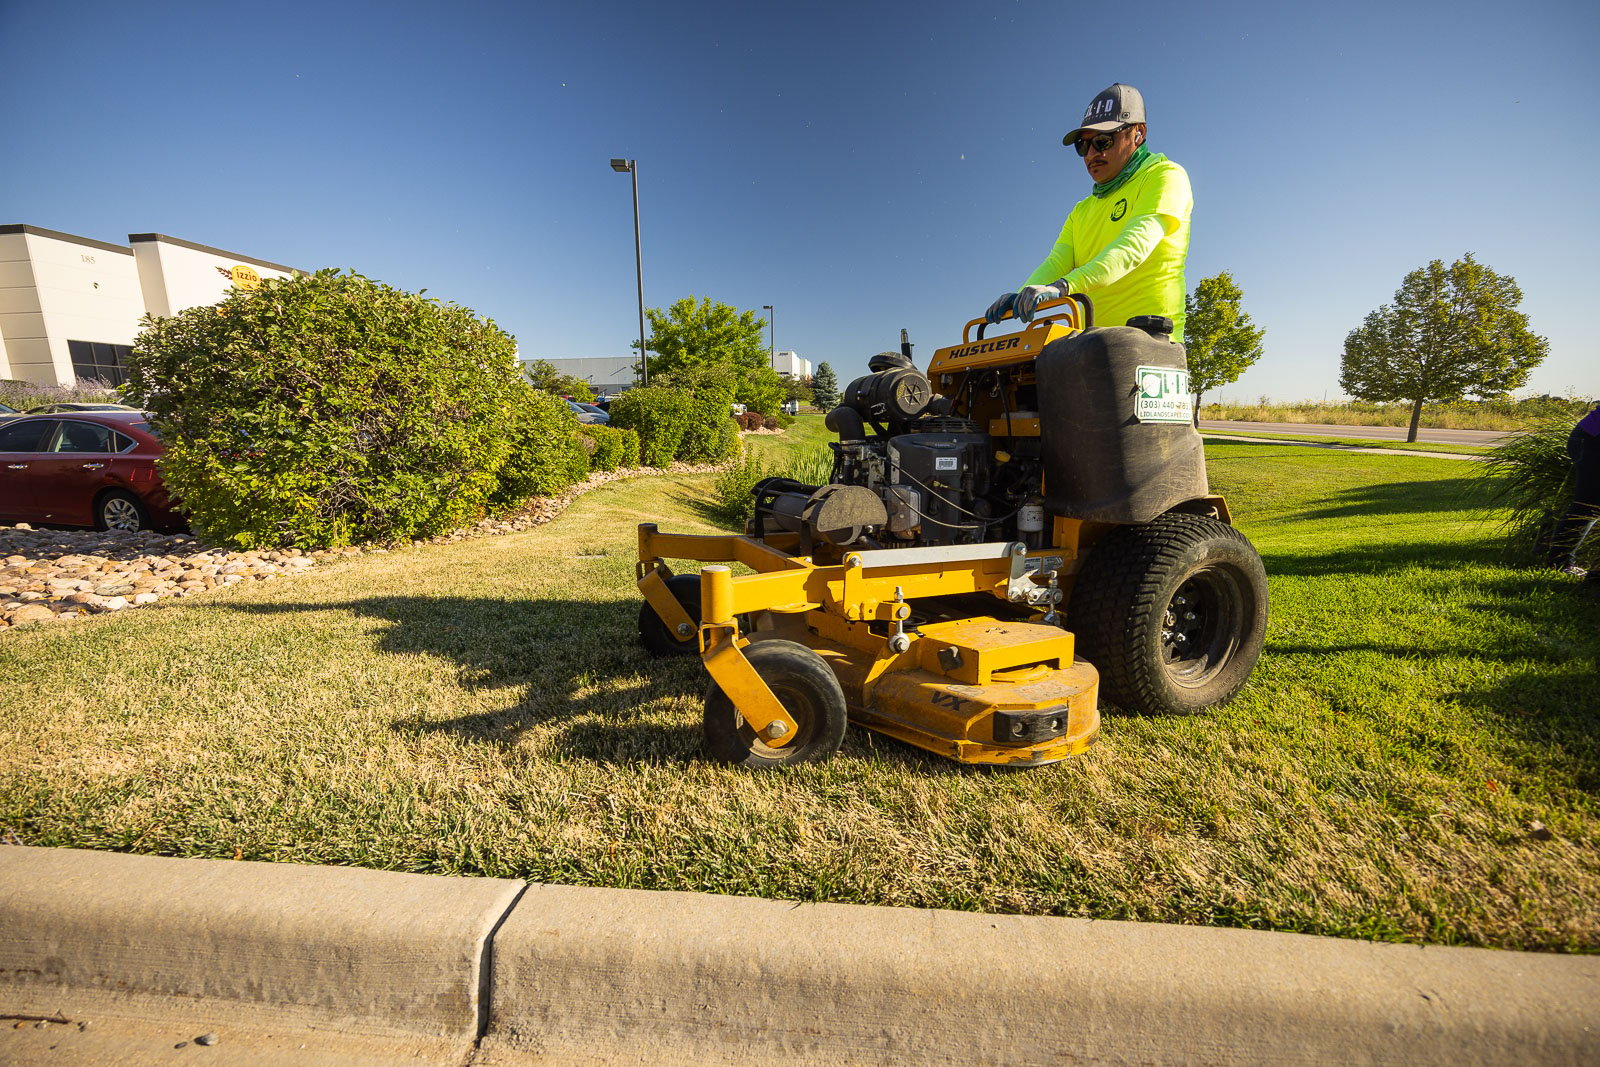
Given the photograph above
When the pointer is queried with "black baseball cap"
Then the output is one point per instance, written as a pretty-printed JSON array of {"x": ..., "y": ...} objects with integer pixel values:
[{"x": 1113, "y": 108}]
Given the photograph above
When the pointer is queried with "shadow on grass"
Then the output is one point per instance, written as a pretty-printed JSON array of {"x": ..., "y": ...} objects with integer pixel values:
[
  {"x": 572, "y": 665},
  {"x": 1389, "y": 556},
  {"x": 1398, "y": 498},
  {"x": 1554, "y": 717},
  {"x": 705, "y": 509}
]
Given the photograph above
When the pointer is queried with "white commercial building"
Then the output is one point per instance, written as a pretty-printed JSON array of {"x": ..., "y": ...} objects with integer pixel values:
[
  {"x": 790, "y": 365},
  {"x": 605, "y": 374},
  {"x": 70, "y": 306}
]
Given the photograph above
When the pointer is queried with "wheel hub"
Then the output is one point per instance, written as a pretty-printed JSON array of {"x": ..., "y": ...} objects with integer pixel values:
[
  {"x": 1196, "y": 628},
  {"x": 121, "y": 515}
]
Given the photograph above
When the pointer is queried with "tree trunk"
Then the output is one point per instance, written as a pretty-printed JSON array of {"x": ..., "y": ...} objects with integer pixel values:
[
  {"x": 1416, "y": 417},
  {"x": 1197, "y": 397}
]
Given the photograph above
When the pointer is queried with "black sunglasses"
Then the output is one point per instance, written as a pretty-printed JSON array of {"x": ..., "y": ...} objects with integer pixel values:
[{"x": 1099, "y": 142}]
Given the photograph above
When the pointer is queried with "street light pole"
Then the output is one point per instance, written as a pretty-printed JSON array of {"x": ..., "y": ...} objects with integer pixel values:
[
  {"x": 772, "y": 343},
  {"x": 631, "y": 166}
]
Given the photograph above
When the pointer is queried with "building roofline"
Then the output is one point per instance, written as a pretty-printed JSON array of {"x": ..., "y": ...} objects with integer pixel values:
[
  {"x": 39, "y": 231},
  {"x": 142, "y": 238}
]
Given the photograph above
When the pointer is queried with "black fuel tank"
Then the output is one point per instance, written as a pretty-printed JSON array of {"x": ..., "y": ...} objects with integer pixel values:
[{"x": 1114, "y": 414}]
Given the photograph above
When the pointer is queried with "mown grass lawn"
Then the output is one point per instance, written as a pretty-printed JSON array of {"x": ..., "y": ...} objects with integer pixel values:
[{"x": 483, "y": 708}]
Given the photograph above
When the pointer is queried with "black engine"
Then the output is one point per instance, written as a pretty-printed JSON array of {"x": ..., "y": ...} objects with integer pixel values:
[{"x": 937, "y": 477}]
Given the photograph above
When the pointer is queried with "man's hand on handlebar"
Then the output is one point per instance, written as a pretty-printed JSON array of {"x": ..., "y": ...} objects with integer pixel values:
[
  {"x": 1001, "y": 307},
  {"x": 1031, "y": 296}
]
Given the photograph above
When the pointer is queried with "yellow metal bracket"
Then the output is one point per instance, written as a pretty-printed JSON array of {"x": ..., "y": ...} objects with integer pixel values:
[
  {"x": 722, "y": 650},
  {"x": 654, "y": 587}
]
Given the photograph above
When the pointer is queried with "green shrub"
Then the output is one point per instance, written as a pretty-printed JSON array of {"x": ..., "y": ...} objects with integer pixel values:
[
  {"x": 548, "y": 454},
  {"x": 677, "y": 425},
  {"x": 1530, "y": 476},
  {"x": 327, "y": 409},
  {"x": 614, "y": 447}
]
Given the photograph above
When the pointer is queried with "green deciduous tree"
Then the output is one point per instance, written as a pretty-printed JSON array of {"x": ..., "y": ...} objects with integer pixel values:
[
  {"x": 696, "y": 332},
  {"x": 1451, "y": 332},
  {"x": 1221, "y": 340},
  {"x": 824, "y": 387},
  {"x": 757, "y": 388},
  {"x": 545, "y": 378}
]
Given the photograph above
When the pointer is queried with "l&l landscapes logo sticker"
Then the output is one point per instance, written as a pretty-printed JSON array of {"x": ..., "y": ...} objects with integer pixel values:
[{"x": 1163, "y": 395}]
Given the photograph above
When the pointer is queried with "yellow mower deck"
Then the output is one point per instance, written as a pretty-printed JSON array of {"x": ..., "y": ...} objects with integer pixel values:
[{"x": 974, "y": 688}]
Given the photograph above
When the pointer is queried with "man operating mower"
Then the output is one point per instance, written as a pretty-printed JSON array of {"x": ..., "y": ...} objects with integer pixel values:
[{"x": 1124, "y": 245}]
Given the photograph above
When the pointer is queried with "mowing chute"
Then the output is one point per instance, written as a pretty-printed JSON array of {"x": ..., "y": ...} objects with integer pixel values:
[{"x": 1001, "y": 537}]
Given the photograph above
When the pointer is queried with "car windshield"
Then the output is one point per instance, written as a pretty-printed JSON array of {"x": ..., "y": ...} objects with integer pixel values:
[
  {"x": 7, "y": 409},
  {"x": 592, "y": 409}
]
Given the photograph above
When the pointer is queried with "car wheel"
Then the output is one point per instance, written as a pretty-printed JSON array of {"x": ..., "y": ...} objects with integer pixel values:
[{"x": 118, "y": 510}]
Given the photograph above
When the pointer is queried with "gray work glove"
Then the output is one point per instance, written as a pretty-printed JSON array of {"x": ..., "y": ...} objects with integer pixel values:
[
  {"x": 1000, "y": 308},
  {"x": 1032, "y": 296}
]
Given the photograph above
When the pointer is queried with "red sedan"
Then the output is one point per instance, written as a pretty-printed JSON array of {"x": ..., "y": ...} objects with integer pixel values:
[{"x": 83, "y": 468}]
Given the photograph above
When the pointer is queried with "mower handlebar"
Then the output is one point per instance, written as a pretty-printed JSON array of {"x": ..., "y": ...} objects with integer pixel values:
[{"x": 1080, "y": 315}]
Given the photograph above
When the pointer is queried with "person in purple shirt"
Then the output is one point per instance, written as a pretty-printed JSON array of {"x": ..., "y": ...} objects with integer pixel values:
[{"x": 1569, "y": 533}]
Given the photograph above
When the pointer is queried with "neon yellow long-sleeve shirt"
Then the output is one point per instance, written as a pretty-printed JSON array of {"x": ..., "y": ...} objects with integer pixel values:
[{"x": 1126, "y": 251}]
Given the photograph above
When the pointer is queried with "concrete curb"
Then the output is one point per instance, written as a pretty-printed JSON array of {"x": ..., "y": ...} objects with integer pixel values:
[
  {"x": 337, "y": 949},
  {"x": 619, "y": 976}
]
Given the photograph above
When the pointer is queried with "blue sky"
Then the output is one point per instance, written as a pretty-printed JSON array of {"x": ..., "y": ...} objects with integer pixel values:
[{"x": 861, "y": 167}]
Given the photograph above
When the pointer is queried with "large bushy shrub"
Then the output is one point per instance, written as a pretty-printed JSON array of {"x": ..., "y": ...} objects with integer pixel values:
[
  {"x": 327, "y": 409},
  {"x": 677, "y": 425}
]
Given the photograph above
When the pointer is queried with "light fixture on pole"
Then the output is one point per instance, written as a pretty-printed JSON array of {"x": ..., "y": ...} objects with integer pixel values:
[
  {"x": 772, "y": 345},
  {"x": 631, "y": 166}
]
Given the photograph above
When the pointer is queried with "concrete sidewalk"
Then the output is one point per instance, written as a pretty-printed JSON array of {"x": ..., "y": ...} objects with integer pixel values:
[{"x": 114, "y": 958}]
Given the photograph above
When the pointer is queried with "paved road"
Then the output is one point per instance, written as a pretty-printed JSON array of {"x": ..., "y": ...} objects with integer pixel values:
[{"x": 1370, "y": 433}]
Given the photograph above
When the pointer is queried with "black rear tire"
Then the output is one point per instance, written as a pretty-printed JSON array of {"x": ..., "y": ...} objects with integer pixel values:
[
  {"x": 808, "y": 690},
  {"x": 656, "y": 636},
  {"x": 1173, "y": 613}
]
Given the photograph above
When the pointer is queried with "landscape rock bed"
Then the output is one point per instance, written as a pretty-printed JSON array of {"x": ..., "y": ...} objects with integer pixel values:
[{"x": 61, "y": 575}]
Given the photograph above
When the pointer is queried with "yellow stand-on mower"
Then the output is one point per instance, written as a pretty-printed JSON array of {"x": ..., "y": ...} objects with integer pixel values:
[{"x": 1003, "y": 538}]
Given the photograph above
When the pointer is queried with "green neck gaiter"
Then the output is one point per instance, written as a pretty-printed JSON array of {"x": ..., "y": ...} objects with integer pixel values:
[{"x": 1139, "y": 158}]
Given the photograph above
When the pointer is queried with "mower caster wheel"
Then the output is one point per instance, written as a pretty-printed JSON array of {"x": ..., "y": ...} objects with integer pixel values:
[
  {"x": 1172, "y": 612},
  {"x": 655, "y": 635},
  {"x": 808, "y": 691}
]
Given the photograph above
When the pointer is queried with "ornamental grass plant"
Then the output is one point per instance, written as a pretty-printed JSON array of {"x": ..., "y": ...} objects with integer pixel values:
[{"x": 1527, "y": 482}]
